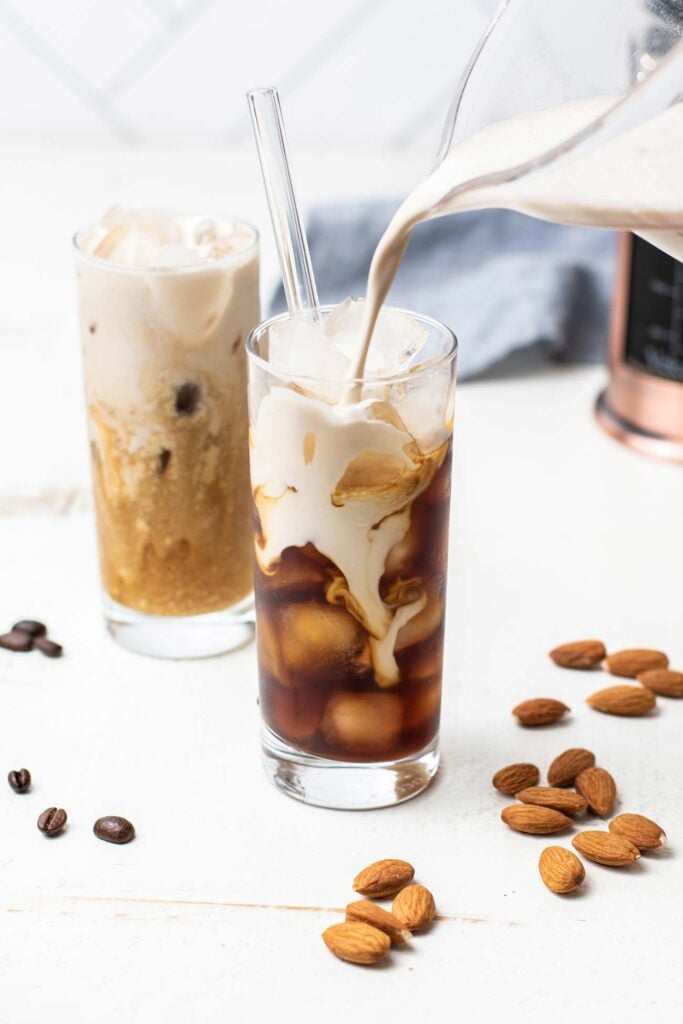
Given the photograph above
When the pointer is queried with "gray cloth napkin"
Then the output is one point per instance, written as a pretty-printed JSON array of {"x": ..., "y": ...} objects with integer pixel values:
[{"x": 502, "y": 281}]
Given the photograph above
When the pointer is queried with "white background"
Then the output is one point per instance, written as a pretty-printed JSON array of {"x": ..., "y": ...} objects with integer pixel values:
[{"x": 350, "y": 71}]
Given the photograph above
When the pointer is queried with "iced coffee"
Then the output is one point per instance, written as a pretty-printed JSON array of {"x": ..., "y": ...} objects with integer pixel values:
[
  {"x": 351, "y": 494},
  {"x": 165, "y": 306}
]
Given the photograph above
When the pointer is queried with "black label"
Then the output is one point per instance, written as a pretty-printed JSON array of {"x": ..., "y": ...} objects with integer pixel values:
[{"x": 654, "y": 329}]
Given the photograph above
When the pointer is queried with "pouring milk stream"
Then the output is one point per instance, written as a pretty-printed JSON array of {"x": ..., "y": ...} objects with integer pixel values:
[{"x": 631, "y": 182}]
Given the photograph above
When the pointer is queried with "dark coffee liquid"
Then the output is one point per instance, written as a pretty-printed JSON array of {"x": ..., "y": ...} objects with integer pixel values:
[{"x": 317, "y": 684}]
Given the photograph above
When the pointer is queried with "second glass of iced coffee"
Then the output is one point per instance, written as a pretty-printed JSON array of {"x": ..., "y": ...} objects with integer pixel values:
[
  {"x": 166, "y": 302},
  {"x": 351, "y": 495}
]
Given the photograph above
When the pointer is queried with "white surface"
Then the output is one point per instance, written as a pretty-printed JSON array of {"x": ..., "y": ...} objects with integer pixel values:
[{"x": 214, "y": 912}]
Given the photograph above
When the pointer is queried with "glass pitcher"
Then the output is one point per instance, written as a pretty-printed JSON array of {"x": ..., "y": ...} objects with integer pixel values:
[{"x": 618, "y": 65}]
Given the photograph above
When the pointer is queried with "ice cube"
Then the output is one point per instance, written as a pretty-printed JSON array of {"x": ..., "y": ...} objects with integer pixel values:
[
  {"x": 205, "y": 232},
  {"x": 426, "y": 407},
  {"x": 175, "y": 254},
  {"x": 294, "y": 575},
  {"x": 301, "y": 348},
  {"x": 422, "y": 626},
  {"x": 216, "y": 239},
  {"x": 293, "y": 714},
  {"x": 396, "y": 340},
  {"x": 363, "y": 723},
  {"x": 423, "y": 661},
  {"x": 132, "y": 238},
  {"x": 422, "y": 704},
  {"x": 317, "y": 638}
]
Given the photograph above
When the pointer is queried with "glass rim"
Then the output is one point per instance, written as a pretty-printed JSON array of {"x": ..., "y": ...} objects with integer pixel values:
[
  {"x": 449, "y": 355},
  {"x": 183, "y": 268}
]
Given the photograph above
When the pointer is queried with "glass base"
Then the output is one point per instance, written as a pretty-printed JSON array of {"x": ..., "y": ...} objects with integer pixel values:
[
  {"x": 347, "y": 785},
  {"x": 176, "y": 636}
]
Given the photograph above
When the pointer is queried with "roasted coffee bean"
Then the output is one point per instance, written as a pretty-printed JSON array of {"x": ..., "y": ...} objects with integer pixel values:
[
  {"x": 16, "y": 641},
  {"x": 163, "y": 461},
  {"x": 52, "y": 821},
  {"x": 20, "y": 780},
  {"x": 186, "y": 399},
  {"x": 114, "y": 829},
  {"x": 48, "y": 647},
  {"x": 30, "y": 626}
]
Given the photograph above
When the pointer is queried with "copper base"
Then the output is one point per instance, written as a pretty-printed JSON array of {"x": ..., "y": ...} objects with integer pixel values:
[{"x": 635, "y": 437}]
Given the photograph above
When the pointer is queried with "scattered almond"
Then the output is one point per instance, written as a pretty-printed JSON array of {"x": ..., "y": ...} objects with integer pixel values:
[
  {"x": 582, "y": 654},
  {"x": 383, "y": 878},
  {"x": 568, "y": 765},
  {"x": 356, "y": 942},
  {"x": 631, "y": 662},
  {"x": 628, "y": 701},
  {"x": 663, "y": 681},
  {"x": 599, "y": 789},
  {"x": 414, "y": 907},
  {"x": 540, "y": 821},
  {"x": 560, "y": 869},
  {"x": 606, "y": 848},
  {"x": 639, "y": 830},
  {"x": 565, "y": 800},
  {"x": 378, "y": 917},
  {"x": 514, "y": 777},
  {"x": 539, "y": 711}
]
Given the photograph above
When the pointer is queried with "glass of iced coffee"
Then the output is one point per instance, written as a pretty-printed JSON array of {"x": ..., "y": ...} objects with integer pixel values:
[
  {"x": 166, "y": 303},
  {"x": 351, "y": 493}
]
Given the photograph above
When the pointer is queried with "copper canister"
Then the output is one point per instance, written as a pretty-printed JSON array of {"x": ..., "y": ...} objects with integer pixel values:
[{"x": 642, "y": 405}]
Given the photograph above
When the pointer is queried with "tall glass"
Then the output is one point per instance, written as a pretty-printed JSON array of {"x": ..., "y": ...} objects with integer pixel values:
[
  {"x": 165, "y": 378},
  {"x": 351, "y": 510}
]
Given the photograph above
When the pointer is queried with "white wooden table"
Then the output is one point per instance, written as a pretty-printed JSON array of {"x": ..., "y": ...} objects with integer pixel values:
[{"x": 214, "y": 912}]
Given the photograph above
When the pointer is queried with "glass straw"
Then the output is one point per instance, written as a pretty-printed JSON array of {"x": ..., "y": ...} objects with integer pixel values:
[{"x": 290, "y": 238}]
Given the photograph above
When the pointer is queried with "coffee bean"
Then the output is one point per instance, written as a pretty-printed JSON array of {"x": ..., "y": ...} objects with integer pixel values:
[
  {"x": 48, "y": 647},
  {"x": 52, "y": 821},
  {"x": 16, "y": 641},
  {"x": 20, "y": 780},
  {"x": 186, "y": 399},
  {"x": 30, "y": 626},
  {"x": 114, "y": 829},
  {"x": 163, "y": 460}
]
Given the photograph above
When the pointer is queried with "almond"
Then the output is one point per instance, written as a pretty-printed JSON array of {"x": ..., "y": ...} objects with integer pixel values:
[
  {"x": 663, "y": 681},
  {"x": 599, "y": 789},
  {"x": 539, "y": 711},
  {"x": 581, "y": 654},
  {"x": 383, "y": 878},
  {"x": 378, "y": 917},
  {"x": 356, "y": 942},
  {"x": 540, "y": 821},
  {"x": 631, "y": 662},
  {"x": 414, "y": 906},
  {"x": 628, "y": 701},
  {"x": 560, "y": 869},
  {"x": 606, "y": 848},
  {"x": 568, "y": 765},
  {"x": 639, "y": 830},
  {"x": 565, "y": 800},
  {"x": 514, "y": 777}
]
